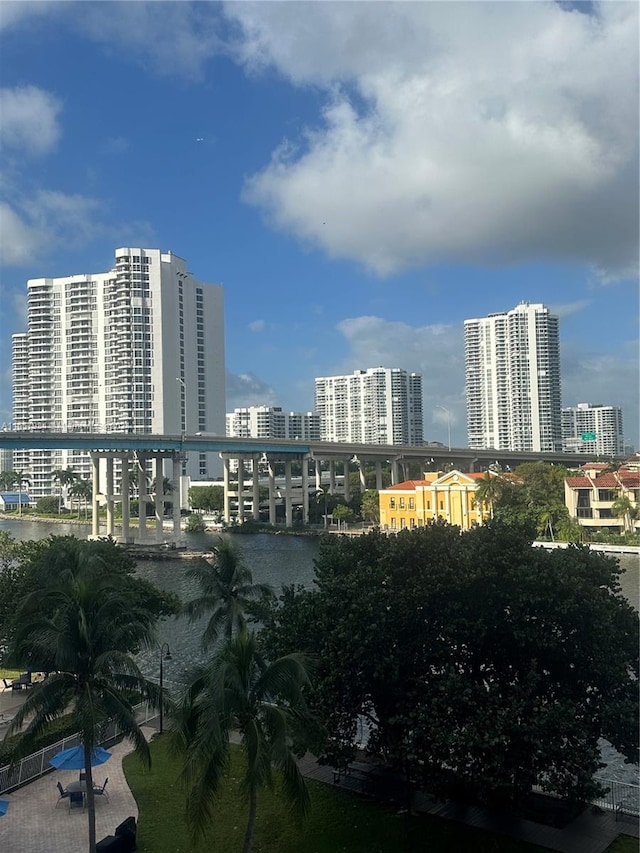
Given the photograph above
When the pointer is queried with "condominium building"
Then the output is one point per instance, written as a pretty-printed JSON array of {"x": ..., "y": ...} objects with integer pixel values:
[
  {"x": 139, "y": 348},
  {"x": 594, "y": 429},
  {"x": 379, "y": 405},
  {"x": 272, "y": 422},
  {"x": 512, "y": 363}
]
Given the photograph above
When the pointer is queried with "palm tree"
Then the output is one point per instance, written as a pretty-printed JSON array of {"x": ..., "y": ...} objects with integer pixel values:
[
  {"x": 82, "y": 629},
  {"x": 488, "y": 491},
  {"x": 64, "y": 477},
  {"x": 227, "y": 590},
  {"x": 22, "y": 480},
  {"x": 623, "y": 508},
  {"x": 239, "y": 691},
  {"x": 8, "y": 479},
  {"x": 82, "y": 490}
]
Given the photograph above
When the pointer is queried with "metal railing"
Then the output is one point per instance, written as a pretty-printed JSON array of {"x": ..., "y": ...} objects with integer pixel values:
[
  {"x": 37, "y": 764},
  {"x": 622, "y": 797}
]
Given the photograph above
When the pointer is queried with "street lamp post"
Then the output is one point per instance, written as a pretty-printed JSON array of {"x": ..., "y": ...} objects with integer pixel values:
[
  {"x": 448, "y": 413},
  {"x": 165, "y": 654}
]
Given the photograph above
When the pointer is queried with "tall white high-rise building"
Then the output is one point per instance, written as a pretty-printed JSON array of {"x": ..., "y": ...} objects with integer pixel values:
[
  {"x": 139, "y": 348},
  {"x": 380, "y": 405},
  {"x": 272, "y": 422},
  {"x": 512, "y": 363},
  {"x": 593, "y": 429}
]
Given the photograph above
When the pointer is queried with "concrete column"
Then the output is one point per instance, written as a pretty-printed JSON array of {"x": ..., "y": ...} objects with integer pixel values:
[
  {"x": 95, "y": 503},
  {"x": 226, "y": 514},
  {"x": 347, "y": 484},
  {"x": 175, "y": 485},
  {"x": 318, "y": 466},
  {"x": 378, "y": 475},
  {"x": 447, "y": 504},
  {"x": 256, "y": 489},
  {"x": 332, "y": 476},
  {"x": 363, "y": 480},
  {"x": 240, "y": 489},
  {"x": 125, "y": 498},
  {"x": 395, "y": 472},
  {"x": 110, "y": 496},
  {"x": 272, "y": 491},
  {"x": 159, "y": 498},
  {"x": 288, "y": 503},
  {"x": 305, "y": 489},
  {"x": 142, "y": 499}
]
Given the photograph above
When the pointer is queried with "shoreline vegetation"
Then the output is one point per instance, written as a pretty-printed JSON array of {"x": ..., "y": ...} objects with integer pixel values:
[{"x": 249, "y": 528}]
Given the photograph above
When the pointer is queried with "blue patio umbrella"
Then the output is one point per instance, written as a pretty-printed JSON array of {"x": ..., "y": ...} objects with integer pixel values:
[
  {"x": 73, "y": 758},
  {"x": 4, "y": 805}
]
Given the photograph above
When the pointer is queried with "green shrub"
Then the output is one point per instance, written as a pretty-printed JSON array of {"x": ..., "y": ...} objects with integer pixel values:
[
  {"x": 48, "y": 505},
  {"x": 195, "y": 524}
]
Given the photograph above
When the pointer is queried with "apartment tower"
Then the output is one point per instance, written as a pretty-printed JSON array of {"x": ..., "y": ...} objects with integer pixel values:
[
  {"x": 593, "y": 429},
  {"x": 272, "y": 422},
  {"x": 139, "y": 348},
  {"x": 512, "y": 363},
  {"x": 380, "y": 405}
]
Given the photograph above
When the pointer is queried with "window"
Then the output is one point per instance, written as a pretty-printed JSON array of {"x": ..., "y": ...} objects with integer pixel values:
[
  {"x": 441, "y": 504},
  {"x": 392, "y": 503},
  {"x": 412, "y": 503},
  {"x": 402, "y": 503}
]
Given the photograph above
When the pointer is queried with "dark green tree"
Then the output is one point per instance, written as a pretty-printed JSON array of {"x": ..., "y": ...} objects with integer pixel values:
[{"x": 482, "y": 665}]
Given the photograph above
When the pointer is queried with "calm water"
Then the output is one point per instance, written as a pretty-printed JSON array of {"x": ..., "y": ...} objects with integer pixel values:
[{"x": 277, "y": 560}]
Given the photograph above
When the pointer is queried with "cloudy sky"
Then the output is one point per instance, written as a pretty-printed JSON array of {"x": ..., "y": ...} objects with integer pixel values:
[{"x": 361, "y": 177}]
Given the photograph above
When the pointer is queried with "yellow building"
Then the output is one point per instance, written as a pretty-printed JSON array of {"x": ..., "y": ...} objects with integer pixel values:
[{"x": 449, "y": 496}]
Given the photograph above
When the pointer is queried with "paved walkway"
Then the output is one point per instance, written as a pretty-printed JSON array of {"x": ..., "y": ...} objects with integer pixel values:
[
  {"x": 35, "y": 824},
  {"x": 592, "y": 832}
]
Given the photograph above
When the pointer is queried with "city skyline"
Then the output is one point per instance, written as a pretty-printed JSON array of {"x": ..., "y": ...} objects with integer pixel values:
[{"x": 357, "y": 202}]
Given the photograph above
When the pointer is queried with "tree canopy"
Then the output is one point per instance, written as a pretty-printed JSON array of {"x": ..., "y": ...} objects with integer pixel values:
[{"x": 481, "y": 665}]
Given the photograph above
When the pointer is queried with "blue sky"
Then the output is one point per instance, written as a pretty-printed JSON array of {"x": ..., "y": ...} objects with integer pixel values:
[{"x": 361, "y": 177}]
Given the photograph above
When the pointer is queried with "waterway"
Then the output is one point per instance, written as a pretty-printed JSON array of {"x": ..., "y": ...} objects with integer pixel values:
[{"x": 276, "y": 560}]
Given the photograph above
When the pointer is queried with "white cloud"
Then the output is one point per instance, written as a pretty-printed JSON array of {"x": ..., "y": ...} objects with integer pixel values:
[
  {"x": 470, "y": 132},
  {"x": 569, "y": 308},
  {"x": 29, "y": 120},
  {"x": 256, "y": 326},
  {"x": 246, "y": 389}
]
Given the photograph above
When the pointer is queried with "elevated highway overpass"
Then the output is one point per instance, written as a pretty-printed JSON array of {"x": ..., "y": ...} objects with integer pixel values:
[{"x": 106, "y": 448}]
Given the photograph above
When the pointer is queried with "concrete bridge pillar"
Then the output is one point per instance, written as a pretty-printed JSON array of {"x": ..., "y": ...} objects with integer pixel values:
[
  {"x": 176, "y": 467},
  {"x": 363, "y": 480},
  {"x": 395, "y": 472},
  {"x": 272, "y": 491},
  {"x": 142, "y": 498},
  {"x": 305, "y": 490},
  {"x": 332, "y": 477},
  {"x": 125, "y": 497},
  {"x": 240, "y": 489},
  {"x": 95, "y": 502},
  {"x": 158, "y": 501},
  {"x": 110, "y": 527},
  {"x": 226, "y": 511},
  {"x": 318, "y": 467},
  {"x": 288, "y": 503},
  {"x": 347, "y": 484},
  {"x": 378, "y": 475},
  {"x": 256, "y": 489}
]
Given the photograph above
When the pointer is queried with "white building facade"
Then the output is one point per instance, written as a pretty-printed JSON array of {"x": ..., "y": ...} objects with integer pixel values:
[
  {"x": 380, "y": 405},
  {"x": 272, "y": 422},
  {"x": 137, "y": 349},
  {"x": 593, "y": 429},
  {"x": 512, "y": 366}
]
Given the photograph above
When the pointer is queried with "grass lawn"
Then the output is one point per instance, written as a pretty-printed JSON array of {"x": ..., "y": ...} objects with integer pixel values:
[
  {"x": 338, "y": 821},
  {"x": 9, "y": 673}
]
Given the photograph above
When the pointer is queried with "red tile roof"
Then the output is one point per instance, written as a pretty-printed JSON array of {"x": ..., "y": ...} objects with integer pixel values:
[{"x": 629, "y": 479}]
